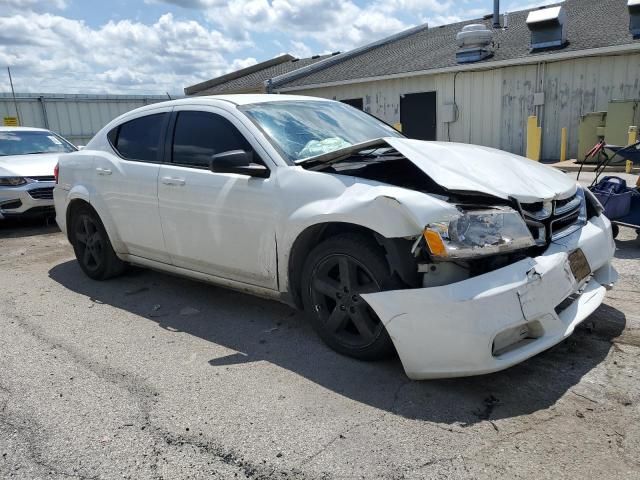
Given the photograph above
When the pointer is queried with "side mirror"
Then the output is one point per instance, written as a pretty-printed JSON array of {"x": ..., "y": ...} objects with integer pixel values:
[
  {"x": 80, "y": 147},
  {"x": 237, "y": 161}
]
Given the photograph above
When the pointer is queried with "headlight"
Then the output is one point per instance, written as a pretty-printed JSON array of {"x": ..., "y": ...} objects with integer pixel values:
[
  {"x": 12, "y": 181},
  {"x": 478, "y": 233},
  {"x": 582, "y": 213}
]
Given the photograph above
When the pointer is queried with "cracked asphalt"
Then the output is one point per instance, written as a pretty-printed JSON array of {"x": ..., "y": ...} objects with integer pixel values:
[{"x": 153, "y": 376}]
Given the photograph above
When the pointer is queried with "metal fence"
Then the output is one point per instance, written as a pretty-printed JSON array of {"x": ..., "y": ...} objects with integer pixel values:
[{"x": 75, "y": 117}]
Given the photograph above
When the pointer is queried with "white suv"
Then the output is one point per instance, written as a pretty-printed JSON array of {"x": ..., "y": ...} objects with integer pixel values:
[{"x": 464, "y": 259}]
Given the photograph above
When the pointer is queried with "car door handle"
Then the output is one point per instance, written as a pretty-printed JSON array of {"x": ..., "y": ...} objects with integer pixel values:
[
  {"x": 173, "y": 181},
  {"x": 103, "y": 171}
]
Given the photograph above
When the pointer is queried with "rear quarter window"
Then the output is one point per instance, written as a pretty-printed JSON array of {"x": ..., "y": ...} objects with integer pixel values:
[{"x": 139, "y": 139}]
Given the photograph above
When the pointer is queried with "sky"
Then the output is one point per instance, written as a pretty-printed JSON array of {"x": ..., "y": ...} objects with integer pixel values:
[{"x": 158, "y": 46}]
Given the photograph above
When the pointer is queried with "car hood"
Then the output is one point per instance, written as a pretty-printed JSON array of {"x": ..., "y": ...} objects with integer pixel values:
[
  {"x": 35, "y": 165},
  {"x": 462, "y": 167}
]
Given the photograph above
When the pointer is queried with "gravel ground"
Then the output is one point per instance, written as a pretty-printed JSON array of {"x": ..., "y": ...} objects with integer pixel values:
[{"x": 152, "y": 376}]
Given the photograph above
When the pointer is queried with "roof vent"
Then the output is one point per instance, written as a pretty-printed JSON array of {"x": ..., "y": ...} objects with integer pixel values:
[
  {"x": 474, "y": 41},
  {"x": 547, "y": 27},
  {"x": 634, "y": 17}
]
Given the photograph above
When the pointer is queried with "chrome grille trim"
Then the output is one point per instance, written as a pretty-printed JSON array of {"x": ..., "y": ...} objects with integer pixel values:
[
  {"x": 561, "y": 206},
  {"x": 551, "y": 220}
]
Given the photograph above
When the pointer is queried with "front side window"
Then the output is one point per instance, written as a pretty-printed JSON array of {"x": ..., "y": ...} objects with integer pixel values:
[
  {"x": 31, "y": 142},
  {"x": 139, "y": 139},
  {"x": 303, "y": 129},
  {"x": 200, "y": 135}
]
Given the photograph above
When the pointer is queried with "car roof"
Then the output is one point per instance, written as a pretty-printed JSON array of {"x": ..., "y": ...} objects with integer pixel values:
[
  {"x": 247, "y": 98},
  {"x": 235, "y": 99},
  {"x": 22, "y": 129}
]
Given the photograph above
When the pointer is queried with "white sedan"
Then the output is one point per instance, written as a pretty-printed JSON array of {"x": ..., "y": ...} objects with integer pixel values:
[
  {"x": 27, "y": 159},
  {"x": 463, "y": 259}
]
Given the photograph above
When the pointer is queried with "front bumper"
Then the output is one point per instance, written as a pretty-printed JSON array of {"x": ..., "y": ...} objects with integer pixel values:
[
  {"x": 449, "y": 331},
  {"x": 31, "y": 198}
]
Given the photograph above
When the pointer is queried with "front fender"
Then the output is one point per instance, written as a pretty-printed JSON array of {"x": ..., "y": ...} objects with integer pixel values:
[{"x": 389, "y": 211}]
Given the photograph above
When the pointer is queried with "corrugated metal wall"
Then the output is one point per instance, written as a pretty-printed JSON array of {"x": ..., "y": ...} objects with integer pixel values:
[
  {"x": 493, "y": 105},
  {"x": 75, "y": 117}
]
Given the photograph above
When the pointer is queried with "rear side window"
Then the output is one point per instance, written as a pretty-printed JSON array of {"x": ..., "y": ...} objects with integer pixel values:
[
  {"x": 200, "y": 135},
  {"x": 139, "y": 139}
]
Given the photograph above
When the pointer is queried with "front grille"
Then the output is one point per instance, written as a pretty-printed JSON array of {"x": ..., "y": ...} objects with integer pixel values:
[
  {"x": 46, "y": 178},
  {"x": 45, "y": 193},
  {"x": 552, "y": 219}
]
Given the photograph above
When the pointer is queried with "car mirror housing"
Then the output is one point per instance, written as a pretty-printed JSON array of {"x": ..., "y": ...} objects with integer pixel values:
[{"x": 238, "y": 161}]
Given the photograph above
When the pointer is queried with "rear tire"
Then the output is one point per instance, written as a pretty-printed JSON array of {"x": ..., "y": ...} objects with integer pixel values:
[
  {"x": 92, "y": 246},
  {"x": 334, "y": 276}
]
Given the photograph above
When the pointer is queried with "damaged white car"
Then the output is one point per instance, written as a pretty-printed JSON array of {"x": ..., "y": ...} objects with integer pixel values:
[{"x": 463, "y": 259}]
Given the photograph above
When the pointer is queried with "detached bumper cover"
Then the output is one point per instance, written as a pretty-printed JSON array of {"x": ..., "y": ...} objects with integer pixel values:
[
  {"x": 25, "y": 199},
  {"x": 449, "y": 331}
]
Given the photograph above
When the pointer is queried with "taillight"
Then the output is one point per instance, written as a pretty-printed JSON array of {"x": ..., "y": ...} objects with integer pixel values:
[{"x": 56, "y": 169}]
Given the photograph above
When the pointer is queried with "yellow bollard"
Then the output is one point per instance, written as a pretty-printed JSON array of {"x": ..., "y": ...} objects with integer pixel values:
[
  {"x": 563, "y": 144},
  {"x": 633, "y": 138},
  {"x": 534, "y": 138}
]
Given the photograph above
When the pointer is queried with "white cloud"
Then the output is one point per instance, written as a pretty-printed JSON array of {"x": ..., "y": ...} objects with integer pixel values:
[
  {"x": 49, "y": 52},
  {"x": 53, "y": 53},
  {"x": 333, "y": 24},
  {"x": 300, "y": 49},
  {"x": 36, "y": 5},
  {"x": 240, "y": 63}
]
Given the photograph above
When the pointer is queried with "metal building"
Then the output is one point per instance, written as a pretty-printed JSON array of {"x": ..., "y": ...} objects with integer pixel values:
[
  {"x": 479, "y": 81},
  {"x": 75, "y": 117}
]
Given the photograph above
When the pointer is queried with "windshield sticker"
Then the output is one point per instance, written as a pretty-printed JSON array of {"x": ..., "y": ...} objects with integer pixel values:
[{"x": 54, "y": 139}]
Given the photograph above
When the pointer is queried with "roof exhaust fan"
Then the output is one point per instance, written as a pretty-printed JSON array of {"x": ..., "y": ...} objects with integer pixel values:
[
  {"x": 548, "y": 28},
  {"x": 474, "y": 42},
  {"x": 634, "y": 17}
]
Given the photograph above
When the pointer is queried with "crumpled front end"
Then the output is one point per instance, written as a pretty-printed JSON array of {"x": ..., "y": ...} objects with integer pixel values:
[{"x": 495, "y": 320}]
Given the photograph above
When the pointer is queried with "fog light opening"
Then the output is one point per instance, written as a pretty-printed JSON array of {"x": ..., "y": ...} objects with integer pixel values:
[{"x": 516, "y": 337}]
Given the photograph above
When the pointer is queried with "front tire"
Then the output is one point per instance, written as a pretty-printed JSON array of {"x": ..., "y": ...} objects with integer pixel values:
[
  {"x": 335, "y": 274},
  {"x": 615, "y": 230},
  {"x": 92, "y": 246}
]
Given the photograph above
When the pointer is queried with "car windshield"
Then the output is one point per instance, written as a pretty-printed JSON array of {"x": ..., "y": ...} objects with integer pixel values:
[
  {"x": 30, "y": 142},
  {"x": 303, "y": 129}
]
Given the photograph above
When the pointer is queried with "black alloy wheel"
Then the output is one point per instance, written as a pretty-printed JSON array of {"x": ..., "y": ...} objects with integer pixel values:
[
  {"x": 90, "y": 243},
  {"x": 92, "y": 246},
  {"x": 336, "y": 274}
]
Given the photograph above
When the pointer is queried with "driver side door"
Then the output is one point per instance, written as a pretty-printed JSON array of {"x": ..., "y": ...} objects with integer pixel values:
[{"x": 221, "y": 224}]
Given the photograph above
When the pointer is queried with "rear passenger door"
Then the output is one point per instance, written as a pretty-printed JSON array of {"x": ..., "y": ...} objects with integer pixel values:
[
  {"x": 127, "y": 183},
  {"x": 222, "y": 224}
]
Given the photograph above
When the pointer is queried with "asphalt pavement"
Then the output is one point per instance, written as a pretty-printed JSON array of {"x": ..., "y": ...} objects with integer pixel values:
[{"x": 154, "y": 376}]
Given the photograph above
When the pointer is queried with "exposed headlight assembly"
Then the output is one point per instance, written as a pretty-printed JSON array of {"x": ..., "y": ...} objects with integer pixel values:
[
  {"x": 478, "y": 233},
  {"x": 12, "y": 181}
]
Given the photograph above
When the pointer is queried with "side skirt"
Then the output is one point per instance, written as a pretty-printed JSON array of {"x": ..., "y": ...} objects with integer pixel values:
[{"x": 205, "y": 277}]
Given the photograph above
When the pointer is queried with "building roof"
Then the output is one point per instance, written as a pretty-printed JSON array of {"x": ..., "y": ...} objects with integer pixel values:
[
  {"x": 590, "y": 24},
  {"x": 252, "y": 78}
]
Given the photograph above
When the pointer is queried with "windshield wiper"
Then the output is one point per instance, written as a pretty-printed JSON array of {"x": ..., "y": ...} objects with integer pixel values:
[{"x": 341, "y": 153}]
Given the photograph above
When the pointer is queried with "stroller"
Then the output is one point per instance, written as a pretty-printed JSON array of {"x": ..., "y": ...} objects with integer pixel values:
[{"x": 621, "y": 202}]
